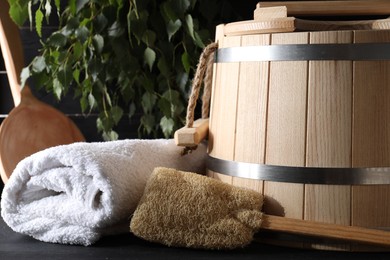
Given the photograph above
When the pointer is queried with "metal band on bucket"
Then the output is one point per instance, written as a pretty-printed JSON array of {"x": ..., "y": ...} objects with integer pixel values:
[
  {"x": 307, "y": 175},
  {"x": 303, "y": 52}
]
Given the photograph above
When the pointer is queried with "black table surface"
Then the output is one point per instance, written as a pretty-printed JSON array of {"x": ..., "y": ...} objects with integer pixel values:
[{"x": 126, "y": 246}]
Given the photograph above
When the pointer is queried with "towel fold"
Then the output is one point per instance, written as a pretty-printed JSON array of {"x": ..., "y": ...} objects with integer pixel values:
[{"x": 74, "y": 194}]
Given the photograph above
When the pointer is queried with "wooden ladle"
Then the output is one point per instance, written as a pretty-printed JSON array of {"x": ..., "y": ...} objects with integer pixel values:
[{"x": 32, "y": 125}]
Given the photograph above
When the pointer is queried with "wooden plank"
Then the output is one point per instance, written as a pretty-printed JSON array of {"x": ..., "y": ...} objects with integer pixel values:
[
  {"x": 251, "y": 111},
  {"x": 286, "y": 128},
  {"x": 268, "y": 13},
  {"x": 329, "y": 133},
  {"x": 223, "y": 106},
  {"x": 313, "y": 25},
  {"x": 257, "y": 27},
  {"x": 324, "y": 8},
  {"x": 371, "y": 133}
]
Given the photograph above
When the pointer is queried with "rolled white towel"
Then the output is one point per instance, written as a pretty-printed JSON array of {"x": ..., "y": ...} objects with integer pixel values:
[{"x": 74, "y": 194}]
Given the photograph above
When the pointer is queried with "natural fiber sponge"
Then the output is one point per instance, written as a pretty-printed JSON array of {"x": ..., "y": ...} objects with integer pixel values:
[{"x": 190, "y": 210}]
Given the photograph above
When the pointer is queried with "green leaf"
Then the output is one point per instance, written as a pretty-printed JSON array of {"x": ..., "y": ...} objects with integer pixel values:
[
  {"x": 168, "y": 12},
  {"x": 116, "y": 113},
  {"x": 24, "y": 75},
  {"x": 95, "y": 66},
  {"x": 65, "y": 76},
  {"x": 57, "y": 40},
  {"x": 181, "y": 81},
  {"x": 115, "y": 30},
  {"x": 149, "y": 37},
  {"x": 78, "y": 50},
  {"x": 185, "y": 60},
  {"x": 164, "y": 67},
  {"x": 38, "y": 64},
  {"x": 58, "y": 6},
  {"x": 72, "y": 24},
  {"x": 91, "y": 101},
  {"x": 165, "y": 106},
  {"x": 190, "y": 26},
  {"x": 149, "y": 57},
  {"x": 76, "y": 75},
  {"x": 82, "y": 33},
  {"x": 148, "y": 121},
  {"x": 100, "y": 23},
  {"x": 172, "y": 28},
  {"x": 38, "y": 22},
  {"x": 47, "y": 10},
  {"x": 42, "y": 79},
  {"x": 198, "y": 41},
  {"x": 57, "y": 88},
  {"x": 18, "y": 12},
  {"x": 132, "y": 110},
  {"x": 72, "y": 6},
  {"x": 167, "y": 125},
  {"x": 30, "y": 17},
  {"x": 148, "y": 101},
  {"x": 181, "y": 6},
  {"x": 100, "y": 125},
  {"x": 110, "y": 135},
  {"x": 128, "y": 20},
  {"x": 98, "y": 43},
  {"x": 173, "y": 98},
  {"x": 84, "y": 103},
  {"x": 80, "y": 4}
]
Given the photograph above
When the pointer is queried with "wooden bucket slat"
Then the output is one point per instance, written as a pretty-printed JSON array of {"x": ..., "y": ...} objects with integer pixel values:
[
  {"x": 329, "y": 133},
  {"x": 286, "y": 126},
  {"x": 252, "y": 96},
  {"x": 371, "y": 133},
  {"x": 225, "y": 105}
]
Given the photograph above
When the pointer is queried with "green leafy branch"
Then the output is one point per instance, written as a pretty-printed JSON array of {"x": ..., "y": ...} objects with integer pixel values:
[{"x": 121, "y": 57}]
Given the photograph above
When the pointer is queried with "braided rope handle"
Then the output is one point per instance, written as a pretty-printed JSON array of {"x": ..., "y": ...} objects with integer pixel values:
[{"x": 204, "y": 72}]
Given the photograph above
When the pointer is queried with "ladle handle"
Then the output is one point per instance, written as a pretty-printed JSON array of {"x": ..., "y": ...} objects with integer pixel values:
[
  {"x": 326, "y": 230},
  {"x": 12, "y": 51}
]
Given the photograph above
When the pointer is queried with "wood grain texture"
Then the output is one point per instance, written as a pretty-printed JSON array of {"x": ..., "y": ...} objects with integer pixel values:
[
  {"x": 258, "y": 27},
  {"x": 314, "y": 25},
  {"x": 269, "y": 12},
  {"x": 224, "y": 105},
  {"x": 371, "y": 133},
  {"x": 251, "y": 112},
  {"x": 192, "y": 136},
  {"x": 346, "y": 233},
  {"x": 286, "y": 125},
  {"x": 324, "y": 8},
  {"x": 286, "y": 128},
  {"x": 329, "y": 132}
]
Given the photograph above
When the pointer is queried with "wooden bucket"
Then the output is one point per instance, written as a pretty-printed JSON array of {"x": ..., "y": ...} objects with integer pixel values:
[{"x": 304, "y": 118}]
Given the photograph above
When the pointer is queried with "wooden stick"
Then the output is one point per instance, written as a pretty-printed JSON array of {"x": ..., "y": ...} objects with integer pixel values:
[
  {"x": 12, "y": 51},
  {"x": 326, "y": 8},
  {"x": 334, "y": 231}
]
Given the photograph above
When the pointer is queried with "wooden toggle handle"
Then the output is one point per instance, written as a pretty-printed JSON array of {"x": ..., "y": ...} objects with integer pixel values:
[
  {"x": 192, "y": 136},
  {"x": 326, "y": 230}
]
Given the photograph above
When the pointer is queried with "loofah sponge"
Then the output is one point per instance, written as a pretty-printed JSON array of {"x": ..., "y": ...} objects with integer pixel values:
[{"x": 189, "y": 210}]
